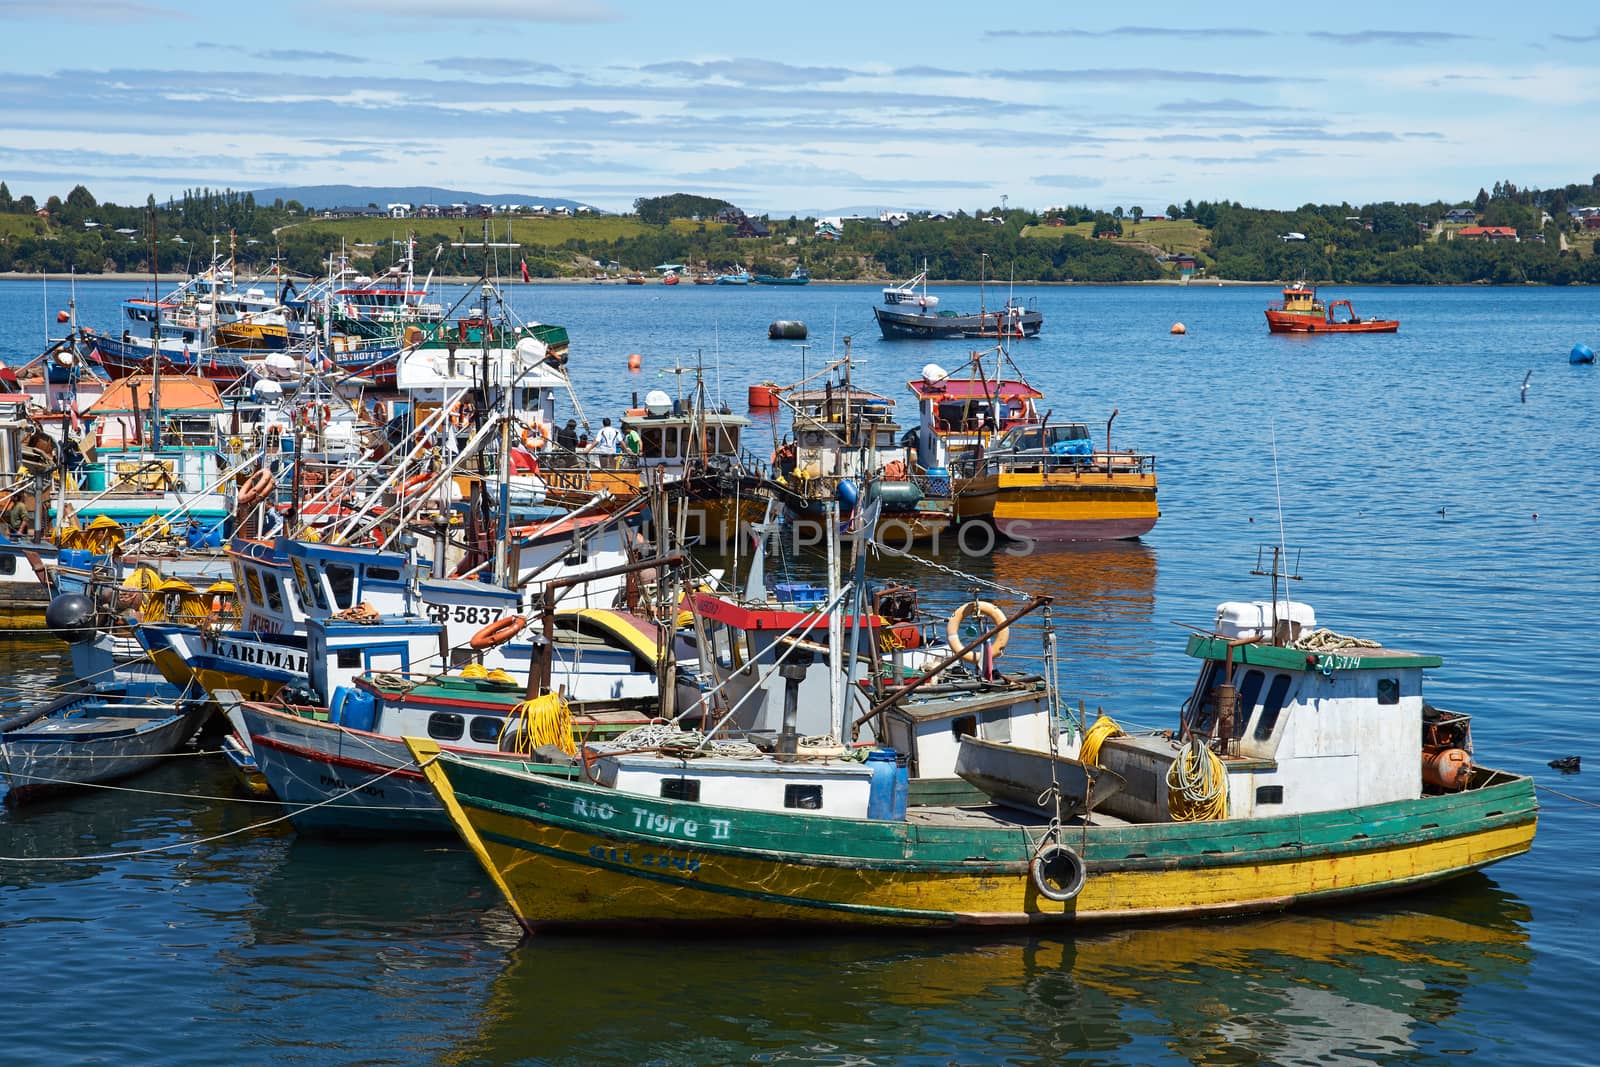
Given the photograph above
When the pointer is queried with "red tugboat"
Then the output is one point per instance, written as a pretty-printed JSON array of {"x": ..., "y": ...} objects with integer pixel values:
[{"x": 1302, "y": 312}]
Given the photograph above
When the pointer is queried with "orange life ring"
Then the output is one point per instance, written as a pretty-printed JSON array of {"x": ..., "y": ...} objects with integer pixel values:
[
  {"x": 461, "y": 415},
  {"x": 256, "y": 488},
  {"x": 535, "y": 438},
  {"x": 952, "y": 629},
  {"x": 498, "y": 633}
]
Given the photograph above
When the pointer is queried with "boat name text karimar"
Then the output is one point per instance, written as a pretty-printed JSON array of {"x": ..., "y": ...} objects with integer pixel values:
[{"x": 645, "y": 819}]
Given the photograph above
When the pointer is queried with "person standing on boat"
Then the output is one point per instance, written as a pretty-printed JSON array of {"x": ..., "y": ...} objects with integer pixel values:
[
  {"x": 567, "y": 436},
  {"x": 14, "y": 521},
  {"x": 632, "y": 445},
  {"x": 606, "y": 442}
]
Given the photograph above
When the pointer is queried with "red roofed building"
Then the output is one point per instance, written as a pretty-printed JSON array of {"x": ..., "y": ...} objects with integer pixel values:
[{"x": 1488, "y": 233}]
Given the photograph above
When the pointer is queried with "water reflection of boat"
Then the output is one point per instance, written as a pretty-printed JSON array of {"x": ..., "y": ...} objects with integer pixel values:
[{"x": 1328, "y": 987}]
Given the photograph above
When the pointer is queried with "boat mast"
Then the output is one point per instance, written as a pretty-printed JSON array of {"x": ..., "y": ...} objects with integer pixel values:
[{"x": 155, "y": 337}]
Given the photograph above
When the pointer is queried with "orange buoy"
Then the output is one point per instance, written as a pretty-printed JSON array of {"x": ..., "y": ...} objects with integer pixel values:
[
  {"x": 1179, "y": 327},
  {"x": 763, "y": 397},
  {"x": 635, "y": 361},
  {"x": 62, "y": 316}
]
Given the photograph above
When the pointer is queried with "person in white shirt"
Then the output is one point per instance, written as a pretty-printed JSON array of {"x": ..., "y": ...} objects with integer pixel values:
[{"x": 607, "y": 441}]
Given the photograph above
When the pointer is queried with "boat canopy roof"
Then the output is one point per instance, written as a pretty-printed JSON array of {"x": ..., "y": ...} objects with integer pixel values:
[
  {"x": 813, "y": 396},
  {"x": 179, "y": 392},
  {"x": 974, "y": 389}
]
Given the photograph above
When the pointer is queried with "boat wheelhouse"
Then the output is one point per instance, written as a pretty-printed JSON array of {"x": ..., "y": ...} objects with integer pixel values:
[{"x": 845, "y": 448}]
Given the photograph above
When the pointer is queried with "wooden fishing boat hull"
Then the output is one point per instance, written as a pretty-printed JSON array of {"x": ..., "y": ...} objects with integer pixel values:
[
  {"x": 336, "y": 779},
  {"x": 574, "y": 855},
  {"x": 24, "y": 588},
  {"x": 87, "y": 739},
  {"x": 1291, "y": 322},
  {"x": 1062, "y": 507},
  {"x": 257, "y": 665}
]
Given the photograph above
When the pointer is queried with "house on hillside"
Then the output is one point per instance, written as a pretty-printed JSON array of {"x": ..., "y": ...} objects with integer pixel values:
[
  {"x": 1463, "y": 216},
  {"x": 893, "y": 219},
  {"x": 829, "y": 229},
  {"x": 749, "y": 227},
  {"x": 1185, "y": 264},
  {"x": 1488, "y": 233},
  {"x": 399, "y": 211}
]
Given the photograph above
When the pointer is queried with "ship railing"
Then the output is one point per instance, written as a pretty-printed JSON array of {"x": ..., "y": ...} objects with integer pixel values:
[{"x": 1106, "y": 463}]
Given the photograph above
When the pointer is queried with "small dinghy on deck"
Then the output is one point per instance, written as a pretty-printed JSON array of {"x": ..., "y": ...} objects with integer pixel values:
[{"x": 1022, "y": 778}]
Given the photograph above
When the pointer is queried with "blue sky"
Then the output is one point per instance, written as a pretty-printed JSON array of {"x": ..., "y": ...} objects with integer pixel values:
[{"x": 804, "y": 106}]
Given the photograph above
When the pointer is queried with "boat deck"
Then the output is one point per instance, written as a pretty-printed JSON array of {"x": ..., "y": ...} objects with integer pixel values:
[{"x": 997, "y": 815}]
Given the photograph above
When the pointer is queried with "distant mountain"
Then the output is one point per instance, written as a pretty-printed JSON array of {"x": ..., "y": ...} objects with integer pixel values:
[{"x": 328, "y": 196}]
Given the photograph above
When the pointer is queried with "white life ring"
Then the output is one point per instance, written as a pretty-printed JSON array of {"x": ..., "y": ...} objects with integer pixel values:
[{"x": 952, "y": 629}]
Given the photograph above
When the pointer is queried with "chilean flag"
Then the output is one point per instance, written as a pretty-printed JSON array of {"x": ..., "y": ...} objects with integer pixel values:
[{"x": 525, "y": 278}]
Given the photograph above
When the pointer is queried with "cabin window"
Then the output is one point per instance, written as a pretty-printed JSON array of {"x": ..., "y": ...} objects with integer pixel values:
[
  {"x": 804, "y": 797},
  {"x": 680, "y": 789},
  {"x": 383, "y": 574},
  {"x": 486, "y": 730},
  {"x": 8, "y": 564},
  {"x": 1249, "y": 691},
  {"x": 445, "y": 726},
  {"x": 964, "y": 726},
  {"x": 460, "y": 657},
  {"x": 1272, "y": 706},
  {"x": 349, "y": 658},
  {"x": 252, "y": 587},
  {"x": 1269, "y": 794},
  {"x": 1388, "y": 690},
  {"x": 269, "y": 582},
  {"x": 342, "y": 583}
]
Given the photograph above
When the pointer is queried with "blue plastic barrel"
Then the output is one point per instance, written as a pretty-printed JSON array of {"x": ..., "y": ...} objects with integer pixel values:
[
  {"x": 1582, "y": 353},
  {"x": 891, "y": 786}
]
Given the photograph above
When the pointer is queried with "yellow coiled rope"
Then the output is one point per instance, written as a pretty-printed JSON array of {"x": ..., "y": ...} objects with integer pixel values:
[
  {"x": 1197, "y": 784},
  {"x": 545, "y": 720},
  {"x": 1102, "y": 728},
  {"x": 477, "y": 672}
]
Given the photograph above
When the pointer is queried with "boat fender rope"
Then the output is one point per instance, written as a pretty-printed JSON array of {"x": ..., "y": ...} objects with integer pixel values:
[{"x": 1058, "y": 873}]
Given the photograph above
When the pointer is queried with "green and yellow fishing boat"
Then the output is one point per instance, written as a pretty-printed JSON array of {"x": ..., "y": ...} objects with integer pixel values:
[{"x": 1306, "y": 768}]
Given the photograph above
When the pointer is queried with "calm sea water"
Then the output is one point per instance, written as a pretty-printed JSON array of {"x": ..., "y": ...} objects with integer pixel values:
[{"x": 1430, "y": 506}]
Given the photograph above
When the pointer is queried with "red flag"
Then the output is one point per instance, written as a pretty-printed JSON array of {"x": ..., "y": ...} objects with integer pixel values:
[{"x": 525, "y": 278}]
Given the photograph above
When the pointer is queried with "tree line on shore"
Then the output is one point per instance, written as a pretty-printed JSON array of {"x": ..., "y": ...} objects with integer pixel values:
[{"x": 1399, "y": 243}]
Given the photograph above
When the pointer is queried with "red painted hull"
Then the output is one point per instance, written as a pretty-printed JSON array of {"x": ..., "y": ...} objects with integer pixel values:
[{"x": 1290, "y": 322}]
